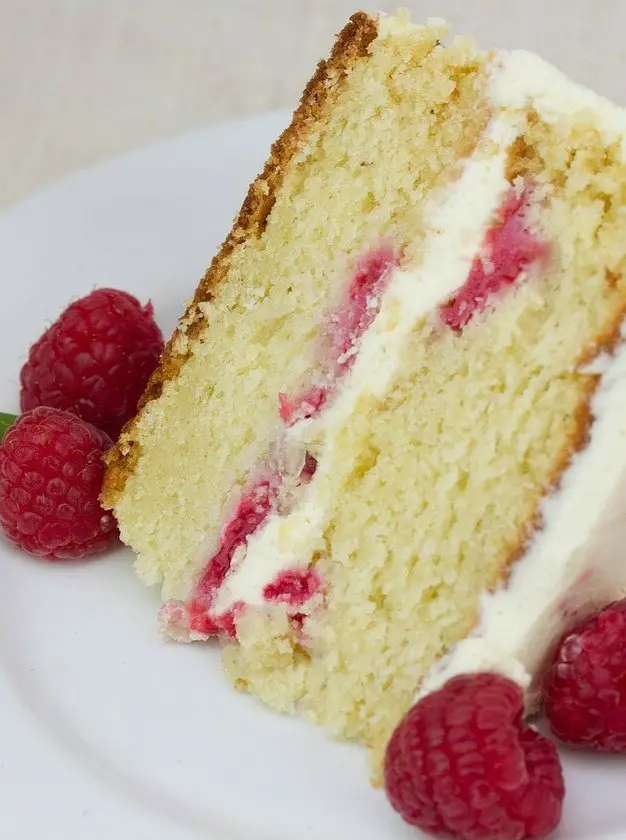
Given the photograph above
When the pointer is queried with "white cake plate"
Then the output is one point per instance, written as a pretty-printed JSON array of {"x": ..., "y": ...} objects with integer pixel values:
[{"x": 105, "y": 730}]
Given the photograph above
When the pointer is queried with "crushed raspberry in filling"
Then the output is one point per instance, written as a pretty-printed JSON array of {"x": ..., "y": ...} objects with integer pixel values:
[
  {"x": 306, "y": 404},
  {"x": 309, "y": 468},
  {"x": 361, "y": 304},
  {"x": 346, "y": 326},
  {"x": 297, "y": 625},
  {"x": 509, "y": 249},
  {"x": 253, "y": 509},
  {"x": 294, "y": 587}
]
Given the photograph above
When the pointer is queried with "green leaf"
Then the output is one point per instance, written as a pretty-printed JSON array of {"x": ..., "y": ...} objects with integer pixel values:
[{"x": 6, "y": 421}]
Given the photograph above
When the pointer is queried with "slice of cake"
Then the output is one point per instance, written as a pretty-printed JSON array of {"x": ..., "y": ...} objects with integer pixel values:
[{"x": 387, "y": 439}]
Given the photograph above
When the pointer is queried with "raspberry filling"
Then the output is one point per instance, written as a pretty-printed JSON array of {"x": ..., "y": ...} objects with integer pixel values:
[
  {"x": 361, "y": 304},
  {"x": 306, "y": 404},
  {"x": 343, "y": 331},
  {"x": 509, "y": 249},
  {"x": 294, "y": 587},
  {"x": 251, "y": 512},
  {"x": 309, "y": 468}
]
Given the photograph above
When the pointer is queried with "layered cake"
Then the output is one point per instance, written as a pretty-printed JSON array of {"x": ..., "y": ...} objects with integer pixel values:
[{"x": 387, "y": 439}]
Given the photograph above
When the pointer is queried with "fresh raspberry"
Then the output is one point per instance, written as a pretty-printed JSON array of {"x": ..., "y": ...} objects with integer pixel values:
[
  {"x": 95, "y": 360},
  {"x": 585, "y": 687},
  {"x": 50, "y": 478},
  {"x": 464, "y": 764}
]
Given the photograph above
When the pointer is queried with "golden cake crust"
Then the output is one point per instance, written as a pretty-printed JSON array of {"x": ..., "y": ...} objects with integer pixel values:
[{"x": 351, "y": 45}]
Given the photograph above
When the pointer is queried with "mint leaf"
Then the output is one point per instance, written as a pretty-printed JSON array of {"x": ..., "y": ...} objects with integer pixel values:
[{"x": 6, "y": 420}]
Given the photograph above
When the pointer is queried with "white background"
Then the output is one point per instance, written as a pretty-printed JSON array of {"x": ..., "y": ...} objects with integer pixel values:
[{"x": 81, "y": 80}]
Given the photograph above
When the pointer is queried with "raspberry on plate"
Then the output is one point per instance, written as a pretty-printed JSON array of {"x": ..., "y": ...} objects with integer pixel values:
[
  {"x": 463, "y": 763},
  {"x": 95, "y": 360},
  {"x": 51, "y": 472},
  {"x": 585, "y": 687}
]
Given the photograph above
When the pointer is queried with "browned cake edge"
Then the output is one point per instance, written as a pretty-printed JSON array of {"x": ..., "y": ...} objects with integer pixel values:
[{"x": 351, "y": 45}]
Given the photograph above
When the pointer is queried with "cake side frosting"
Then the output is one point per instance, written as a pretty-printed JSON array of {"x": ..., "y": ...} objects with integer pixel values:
[{"x": 573, "y": 565}]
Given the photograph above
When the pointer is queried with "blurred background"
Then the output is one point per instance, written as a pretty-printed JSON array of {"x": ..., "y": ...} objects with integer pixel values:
[{"x": 81, "y": 80}]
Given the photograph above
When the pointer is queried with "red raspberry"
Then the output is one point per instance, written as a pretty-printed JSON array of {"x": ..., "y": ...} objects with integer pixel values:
[
  {"x": 585, "y": 688},
  {"x": 95, "y": 360},
  {"x": 50, "y": 478},
  {"x": 463, "y": 763}
]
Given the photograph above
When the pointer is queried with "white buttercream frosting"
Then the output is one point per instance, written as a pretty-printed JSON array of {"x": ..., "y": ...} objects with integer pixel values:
[
  {"x": 575, "y": 562},
  {"x": 523, "y": 80}
]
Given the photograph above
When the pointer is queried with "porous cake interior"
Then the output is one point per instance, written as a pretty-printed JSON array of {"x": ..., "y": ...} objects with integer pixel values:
[
  {"x": 439, "y": 484},
  {"x": 431, "y": 488},
  {"x": 392, "y": 131}
]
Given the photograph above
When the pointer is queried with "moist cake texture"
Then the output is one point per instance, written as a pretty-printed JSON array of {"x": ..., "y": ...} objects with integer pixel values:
[{"x": 365, "y": 461}]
